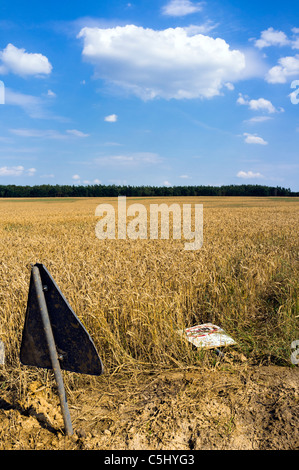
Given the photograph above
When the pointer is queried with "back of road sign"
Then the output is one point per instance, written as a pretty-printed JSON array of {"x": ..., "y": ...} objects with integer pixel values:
[{"x": 75, "y": 348}]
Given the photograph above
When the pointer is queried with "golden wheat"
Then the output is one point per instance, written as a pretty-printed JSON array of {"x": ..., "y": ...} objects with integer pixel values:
[{"x": 133, "y": 295}]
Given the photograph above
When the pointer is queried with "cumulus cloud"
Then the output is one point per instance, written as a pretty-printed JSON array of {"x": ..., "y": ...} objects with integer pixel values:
[
  {"x": 271, "y": 37},
  {"x": 23, "y": 63},
  {"x": 168, "y": 64},
  {"x": 260, "y": 104},
  {"x": 248, "y": 174},
  {"x": 295, "y": 44},
  {"x": 288, "y": 67},
  {"x": 229, "y": 86},
  {"x": 16, "y": 171},
  {"x": 31, "y": 171},
  {"x": 111, "y": 118},
  {"x": 254, "y": 139},
  {"x": 181, "y": 8}
]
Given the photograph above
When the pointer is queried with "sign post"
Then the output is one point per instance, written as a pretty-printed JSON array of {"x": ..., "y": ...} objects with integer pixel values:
[{"x": 52, "y": 350}]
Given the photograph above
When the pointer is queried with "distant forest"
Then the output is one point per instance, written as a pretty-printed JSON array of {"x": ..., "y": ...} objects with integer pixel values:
[{"x": 98, "y": 190}]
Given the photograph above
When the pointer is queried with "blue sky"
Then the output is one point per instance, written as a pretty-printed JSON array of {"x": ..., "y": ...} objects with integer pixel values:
[{"x": 172, "y": 92}]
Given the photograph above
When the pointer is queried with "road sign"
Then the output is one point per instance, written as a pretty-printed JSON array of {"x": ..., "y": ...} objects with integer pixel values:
[
  {"x": 76, "y": 350},
  {"x": 53, "y": 337}
]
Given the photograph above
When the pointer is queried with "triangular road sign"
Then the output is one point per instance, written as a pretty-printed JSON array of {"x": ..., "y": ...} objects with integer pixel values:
[{"x": 75, "y": 348}]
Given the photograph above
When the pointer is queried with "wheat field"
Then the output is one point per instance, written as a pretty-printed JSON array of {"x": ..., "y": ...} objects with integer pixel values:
[{"x": 134, "y": 295}]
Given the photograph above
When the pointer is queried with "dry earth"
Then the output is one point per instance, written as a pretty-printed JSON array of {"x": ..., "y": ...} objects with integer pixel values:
[{"x": 231, "y": 407}]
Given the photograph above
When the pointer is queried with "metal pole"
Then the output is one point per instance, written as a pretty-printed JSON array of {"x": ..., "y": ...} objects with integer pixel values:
[{"x": 52, "y": 350}]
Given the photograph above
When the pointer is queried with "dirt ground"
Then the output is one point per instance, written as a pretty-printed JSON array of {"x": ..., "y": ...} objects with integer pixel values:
[{"x": 231, "y": 407}]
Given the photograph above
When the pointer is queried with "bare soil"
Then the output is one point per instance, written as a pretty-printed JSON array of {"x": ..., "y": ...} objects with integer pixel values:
[{"x": 231, "y": 407}]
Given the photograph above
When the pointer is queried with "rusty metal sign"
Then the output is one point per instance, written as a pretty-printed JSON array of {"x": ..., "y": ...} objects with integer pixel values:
[
  {"x": 54, "y": 338},
  {"x": 75, "y": 348}
]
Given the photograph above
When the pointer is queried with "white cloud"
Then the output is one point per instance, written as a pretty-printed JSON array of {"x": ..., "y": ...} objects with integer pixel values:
[
  {"x": 16, "y": 171},
  {"x": 229, "y": 86},
  {"x": 167, "y": 64},
  {"x": 51, "y": 94},
  {"x": 111, "y": 118},
  {"x": 22, "y": 63},
  {"x": 37, "y": 133},
  {"x": 260, "y": 104},
  {"x": 254, "y": 139},
  {"x": 270, "y": 37},
  {"x": 200, "y": 29},
  {"x": 95, "y": 181},
  {"x": 32, "y": 105},
  {"x": 76, "y": 177},
  {"x": 35, "y": 106},
  {"x": 288, "y": 67},
  {"x": 181, "y": 8},
  {"x": 77, "y": 133},
  {"x": 259, "y": 119},
  {"x": 248, "y": 174},
  {"x": 295, "y": 42},
  {"x": 47, "y": 133},
  {"x": 138, "y": 158},
  {"x": 184, "y": 177},
  {"x": 166, "y": 183}
]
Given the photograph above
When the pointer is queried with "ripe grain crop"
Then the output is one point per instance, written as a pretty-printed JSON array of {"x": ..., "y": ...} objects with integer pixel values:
[{"x": 133, "y": 295}]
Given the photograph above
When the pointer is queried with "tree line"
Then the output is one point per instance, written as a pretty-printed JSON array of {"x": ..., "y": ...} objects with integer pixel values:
[{"x": 99, "y": 190}]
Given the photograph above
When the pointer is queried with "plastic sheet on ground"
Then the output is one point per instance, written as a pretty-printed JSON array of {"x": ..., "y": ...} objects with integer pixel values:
[{"x": 207, "y": 336}]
